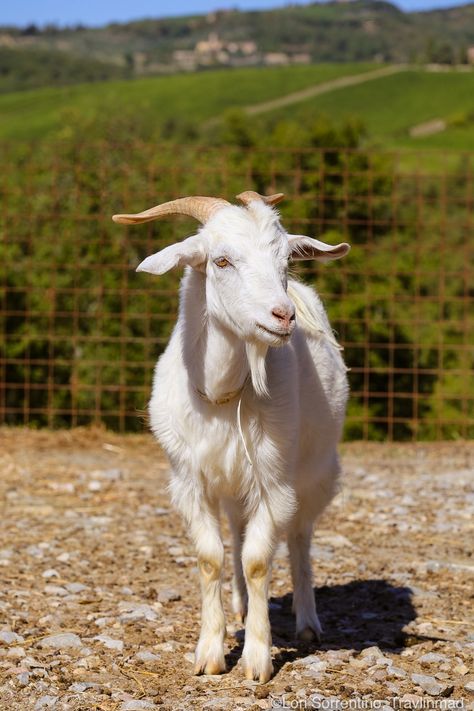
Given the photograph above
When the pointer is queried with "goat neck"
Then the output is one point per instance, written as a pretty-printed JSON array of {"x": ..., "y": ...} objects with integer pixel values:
[{"x": 214, "y": 357}]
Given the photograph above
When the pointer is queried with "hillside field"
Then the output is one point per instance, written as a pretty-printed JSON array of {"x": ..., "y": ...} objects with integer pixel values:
[
  {"x": 389, "y": 107},
  {"x": 191, "y": 97}
]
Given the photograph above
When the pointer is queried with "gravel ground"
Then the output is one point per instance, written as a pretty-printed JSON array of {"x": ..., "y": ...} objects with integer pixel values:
[{"x": 99, "y": 603}]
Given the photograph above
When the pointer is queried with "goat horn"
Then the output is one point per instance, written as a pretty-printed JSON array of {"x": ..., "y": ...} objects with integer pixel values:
[
  {"x": 199, "y": 207},
  {"x": 249, "y": 195}
]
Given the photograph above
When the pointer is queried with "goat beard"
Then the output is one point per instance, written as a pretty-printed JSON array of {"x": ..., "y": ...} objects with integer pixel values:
[{"x": 256, "y": 356}]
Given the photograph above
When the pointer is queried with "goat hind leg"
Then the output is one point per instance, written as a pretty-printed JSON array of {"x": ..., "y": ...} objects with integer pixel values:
[
  {"x": 239, "y": 588},
  {"x": 308, "y": 626}
]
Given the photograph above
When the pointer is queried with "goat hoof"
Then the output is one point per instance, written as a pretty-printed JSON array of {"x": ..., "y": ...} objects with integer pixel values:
[
  {"x": 258, "y": 670},
  {"x": 209, "y": 658},
  {"x": 241, "y": 617},
  {"x": 261, "y": 677},
  {"x": 239, "y": 605},
  {"x": 309, "y": 634},
  {"x": 213, "y": 666}
]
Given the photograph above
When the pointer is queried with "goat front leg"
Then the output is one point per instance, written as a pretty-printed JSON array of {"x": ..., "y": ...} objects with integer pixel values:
[
  {"x": 209, "y": 655},
  {"x": 257, "y": 553}
]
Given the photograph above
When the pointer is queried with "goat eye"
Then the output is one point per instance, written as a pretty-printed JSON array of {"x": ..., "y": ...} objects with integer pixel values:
[{"x": 221, "y": 262}]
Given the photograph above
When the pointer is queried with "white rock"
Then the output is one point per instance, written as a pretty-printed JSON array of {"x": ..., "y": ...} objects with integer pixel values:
[
  {"x": 147, "y": 656},
  {"x": 371, "y": 652},
  {"x": 102, "y": 621},
  {"x": 384, "y": 662},
  {"x": 432, "y": 658},
  {"x": 46, "y": 702},
  {"x": 95, "y": 522},
  {"x": 146, "y": 550},
  {"x": 109, "y": 642},
  {"x": 315, "y": 668},
  {"x": 50, "y": 573},
  {"x": 310, "y": 659},
  {"x": 23, "y": 678},
  {"x": 166, "y": 646},
  {"x": 222, "y": 702},
  {"x": 31, "y": 663},
  {"x": 16, "y": 653},
  {"x": 336, "y": 540},
  {"x": 428, "y": 684},
  {"x": 107, "y": 474},
  {"x": 397, "y": 672},
  {"x": 137, "y": 611},
  {"x": 168, "y": 595},
  {"x": 64, "y": 640},
  {"x": 176, "y": 550},
  {"x": 63, "y": 557},
  {"x": 313, "y": 664},
  {"x": 185, "y": 560},
  {"x": 75, "y": 588},
  {"x": 9, "y": 637},
  {"x": 65, "y": 487},
  {"x": 135, "y": 705},
  {"x": 57, "y": 590},
  {"x": 35, "y": 551},
  {"x": 79, "y": 686}
]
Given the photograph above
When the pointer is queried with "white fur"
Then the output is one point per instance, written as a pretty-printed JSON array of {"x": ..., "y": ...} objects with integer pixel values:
[{"x": 291, "y": 415}]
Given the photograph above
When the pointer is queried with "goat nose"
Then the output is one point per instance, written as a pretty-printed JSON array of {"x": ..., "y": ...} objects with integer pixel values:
[{"x": 284, "y": 314}]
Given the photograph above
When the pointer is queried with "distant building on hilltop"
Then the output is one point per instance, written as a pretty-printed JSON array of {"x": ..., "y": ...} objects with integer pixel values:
[
  {"x": 185, "y": 59},
  {"x": 215, "y": 51},
  {"x": 276, "y": 59},
  {"x": 212, "y": 44}
]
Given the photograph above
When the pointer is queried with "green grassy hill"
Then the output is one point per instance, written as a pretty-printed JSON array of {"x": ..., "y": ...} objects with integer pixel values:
[
  {"x": 389, "y": 107},
  {"x": 28, "y": 69},
  {"x": 190, "y": 98}
]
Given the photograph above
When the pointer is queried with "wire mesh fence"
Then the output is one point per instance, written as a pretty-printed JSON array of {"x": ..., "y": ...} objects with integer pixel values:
[{"x": 80, "y": 331}]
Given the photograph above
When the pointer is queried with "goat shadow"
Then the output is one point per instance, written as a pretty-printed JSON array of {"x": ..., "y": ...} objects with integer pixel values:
[{"x": 355, "y": 615}]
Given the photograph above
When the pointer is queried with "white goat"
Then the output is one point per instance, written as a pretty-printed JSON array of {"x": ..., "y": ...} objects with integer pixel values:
[{"x": 249, "y": 406}]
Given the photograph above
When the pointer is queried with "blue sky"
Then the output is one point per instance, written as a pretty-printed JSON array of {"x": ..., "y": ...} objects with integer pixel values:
[{"x": 61, "y": 12}]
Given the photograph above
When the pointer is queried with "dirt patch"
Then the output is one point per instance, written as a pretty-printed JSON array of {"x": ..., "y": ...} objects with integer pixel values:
[
  {"x": 429, "y": 128},
  {"x": 99, "y": 601}
]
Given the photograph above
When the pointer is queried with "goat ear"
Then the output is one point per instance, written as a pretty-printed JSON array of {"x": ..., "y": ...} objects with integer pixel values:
[
  {"x": 190, "y": 252},
  {"x": 302, "y": 247}
]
